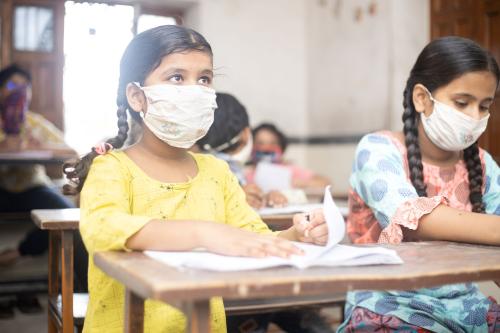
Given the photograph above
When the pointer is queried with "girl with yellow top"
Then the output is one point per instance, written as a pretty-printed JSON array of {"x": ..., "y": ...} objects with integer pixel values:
[{"x": 155, "y": 195}]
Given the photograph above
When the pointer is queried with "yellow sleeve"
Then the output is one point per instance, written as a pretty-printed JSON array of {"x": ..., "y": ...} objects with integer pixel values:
[
  {"x": 106, "y": 219},
  {"x": 238, "y": 213},
  {"x": 42, "y": 129}
]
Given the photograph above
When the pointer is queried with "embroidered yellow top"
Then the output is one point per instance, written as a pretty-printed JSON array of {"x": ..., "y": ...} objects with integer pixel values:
[{"x": 118, "y": 199}]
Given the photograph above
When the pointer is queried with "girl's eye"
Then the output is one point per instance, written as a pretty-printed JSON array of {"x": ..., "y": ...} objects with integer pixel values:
[
  {"x": 204, "y": 80},
  {"x": 484, "y": 108},
  {"x": 177, "y": 78},
  {"x": 461, "y": 104}
]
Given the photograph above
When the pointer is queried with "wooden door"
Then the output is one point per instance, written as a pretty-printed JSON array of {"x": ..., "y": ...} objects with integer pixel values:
[
  {"x": 32, "y": 37},
  {"x": 454, "y": 17},
  {"x": 478, "y": 20},
  {"x": 490, "y": 38}
]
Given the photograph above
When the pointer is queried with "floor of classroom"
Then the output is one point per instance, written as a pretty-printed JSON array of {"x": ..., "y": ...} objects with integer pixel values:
[{"x": 37, "y": 323}]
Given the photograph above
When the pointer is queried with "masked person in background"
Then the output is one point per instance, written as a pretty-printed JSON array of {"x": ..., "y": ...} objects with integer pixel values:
[
  {"x": 269, "y": 146},
  {"x": 230, "y": 139},
  {"x": 27, "y": 187}
]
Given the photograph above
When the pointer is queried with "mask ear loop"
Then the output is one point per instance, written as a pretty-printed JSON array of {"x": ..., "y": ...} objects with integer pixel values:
[
  {"x": 223, "y": 146},
  {"x": 430, "y": 95},
  {"x": 138, "y": 85}
]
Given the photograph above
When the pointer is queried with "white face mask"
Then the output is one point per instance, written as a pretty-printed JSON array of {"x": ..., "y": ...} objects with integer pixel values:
[
  {"x": 450, "y": 129},
  {"x": 244, "y": 154},
  {"x": 179, "y": 115}
]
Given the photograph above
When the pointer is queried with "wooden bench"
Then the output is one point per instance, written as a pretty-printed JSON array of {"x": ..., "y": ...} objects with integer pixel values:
[{"x": 60, "y": 223}]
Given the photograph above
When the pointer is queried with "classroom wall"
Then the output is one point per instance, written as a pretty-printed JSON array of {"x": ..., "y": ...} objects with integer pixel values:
[
  {"x": 359, "y": 60},
  {"x": 315, "y": 67},
  {"x": 259, "y": 55}
]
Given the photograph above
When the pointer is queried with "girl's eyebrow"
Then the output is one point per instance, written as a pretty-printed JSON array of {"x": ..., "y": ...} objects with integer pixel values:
[
  {"x": 207, "y": 72},
  {"x": 469, "y": 96},
  {"x": 181, "y": 70},
  {"x": 173, "y": 70}
]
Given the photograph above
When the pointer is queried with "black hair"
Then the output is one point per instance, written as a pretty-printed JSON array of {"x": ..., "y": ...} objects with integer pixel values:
[
  {"x": 9, "y": 71},
  {"x": 230, "y": 119},
  {"x": 282, "y": 140},
  {"x": 142, "y": 55},
  {"x": 440, "y": 62}
]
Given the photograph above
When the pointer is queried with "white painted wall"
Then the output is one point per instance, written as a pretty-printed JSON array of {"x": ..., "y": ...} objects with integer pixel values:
[
  {"x": 348, "y": 66},
  {"x": 312, "y": 68},
  {"x": 409, "y": 31},
  {"x": 259, "y": 56}
]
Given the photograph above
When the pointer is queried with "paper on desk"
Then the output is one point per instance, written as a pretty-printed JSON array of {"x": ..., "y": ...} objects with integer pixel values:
[
  {"x": 332, "y": 254},
  {"x": 273, "y": 177}
]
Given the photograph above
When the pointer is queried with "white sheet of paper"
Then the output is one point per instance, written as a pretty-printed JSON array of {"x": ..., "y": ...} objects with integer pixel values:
[
  {"x": 332, "y": 254},
  {"x": 272, "y": 177}
]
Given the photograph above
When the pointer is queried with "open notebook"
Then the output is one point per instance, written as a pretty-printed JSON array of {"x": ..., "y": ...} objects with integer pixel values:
[{"x": 332, "y": 254}]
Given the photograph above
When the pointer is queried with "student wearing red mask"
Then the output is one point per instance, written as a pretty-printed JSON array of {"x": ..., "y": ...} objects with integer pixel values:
[
  {"x": 270, "y": 145},
  {"x": 27, "y": 187}
]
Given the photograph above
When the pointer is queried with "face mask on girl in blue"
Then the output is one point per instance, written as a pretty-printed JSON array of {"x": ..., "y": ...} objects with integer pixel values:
[
  {"x": 450, "y": 129},
  {"x": 179, "y": 115}
]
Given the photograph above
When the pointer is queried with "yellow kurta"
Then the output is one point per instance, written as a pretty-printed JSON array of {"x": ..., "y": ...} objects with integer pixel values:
[{"x": 118, "y": 199}]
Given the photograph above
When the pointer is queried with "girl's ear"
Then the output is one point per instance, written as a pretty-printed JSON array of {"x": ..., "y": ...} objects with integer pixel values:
[
  {"x": 245, "y": 135},
  {"x": 421, "y": 99},
  {"x": 136, "y": 98}
]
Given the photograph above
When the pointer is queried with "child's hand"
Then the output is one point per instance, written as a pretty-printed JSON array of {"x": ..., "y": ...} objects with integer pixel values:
[
  {"x": 254, "y": 195},
  {"x": 227, "y": 240},
  {"x": 311, "y": 228},
  {"x": 276, "y": 199}
]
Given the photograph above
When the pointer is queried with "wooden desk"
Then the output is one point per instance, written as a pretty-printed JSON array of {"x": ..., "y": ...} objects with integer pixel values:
[
  {"x": 33, "y": 157},
  {"x": 61, "y": 223},
  {"x": 284, "y": 221},
  {"x": 278, "y": 222},
  {"x": 426, "y": 264}
]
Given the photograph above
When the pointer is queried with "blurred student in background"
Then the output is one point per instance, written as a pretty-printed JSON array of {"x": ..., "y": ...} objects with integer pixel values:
[
  {"x": 27, "y": 187},
  {"x": 230, "y": 139},
  {"x": 270, "y": 145}
]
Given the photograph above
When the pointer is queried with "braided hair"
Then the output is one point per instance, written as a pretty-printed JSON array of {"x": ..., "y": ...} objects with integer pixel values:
[
  {"x": 143, "y": 54},
  {"x": 440, "y": 62}
]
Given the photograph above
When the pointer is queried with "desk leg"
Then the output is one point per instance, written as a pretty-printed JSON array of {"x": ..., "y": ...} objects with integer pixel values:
[
  {"x": 134, "y": 313},
  {"x": 67, "y": 280},
  {"x": 198, "y": 316},
  {"x": 54, "y": 245}
]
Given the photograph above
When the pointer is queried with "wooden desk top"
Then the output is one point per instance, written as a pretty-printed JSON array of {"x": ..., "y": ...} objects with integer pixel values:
[
  {"x": 284, "y": 221},
  {"x": 278, "y": 222},
  {"x": 426, "y": 264},
  {"x": 56, "y": 219}
]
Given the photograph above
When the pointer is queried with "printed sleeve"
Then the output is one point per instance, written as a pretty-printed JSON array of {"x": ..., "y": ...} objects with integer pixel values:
[
  {"x": 379, "y": 177},
  {"x": 491, "y": 195},
  {"x": 106, "y": 219},
  {"x": 238, "y": 213}
]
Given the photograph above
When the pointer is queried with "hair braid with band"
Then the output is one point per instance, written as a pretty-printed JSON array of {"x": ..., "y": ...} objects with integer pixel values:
[
  {"x": 77, "y": 172},
  {"x": 475, "y": 172},
  {"x": 414, "y": 156}
]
